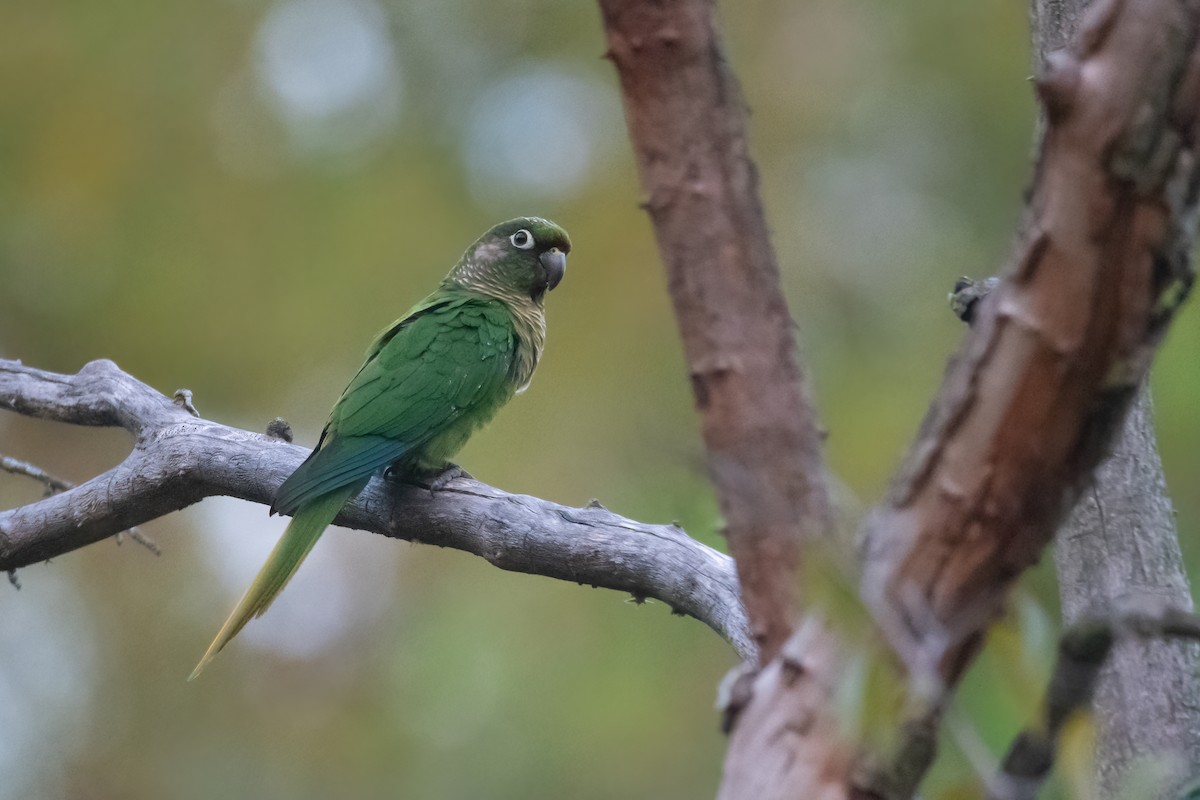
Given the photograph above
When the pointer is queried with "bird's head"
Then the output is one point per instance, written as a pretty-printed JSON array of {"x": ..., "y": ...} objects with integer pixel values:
[{"x": 521, "y": 258}]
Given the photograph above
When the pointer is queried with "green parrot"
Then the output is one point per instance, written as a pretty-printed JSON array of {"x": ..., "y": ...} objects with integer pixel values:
[{"x": 429, "y": 381}]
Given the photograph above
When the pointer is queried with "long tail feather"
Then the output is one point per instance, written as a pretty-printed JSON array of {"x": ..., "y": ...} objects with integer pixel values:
[{"x": 302, "y": 533}]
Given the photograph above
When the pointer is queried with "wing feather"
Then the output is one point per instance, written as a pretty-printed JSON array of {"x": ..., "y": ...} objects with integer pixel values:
[{"x": 433, "y": 370}]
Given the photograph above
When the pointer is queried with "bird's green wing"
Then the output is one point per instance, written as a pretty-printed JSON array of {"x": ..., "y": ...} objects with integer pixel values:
[{"x": 447, "y": 364}]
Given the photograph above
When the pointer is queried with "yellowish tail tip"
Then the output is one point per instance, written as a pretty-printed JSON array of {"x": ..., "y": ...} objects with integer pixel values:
[
  {"x": 297, "y": 540},
  {"x": 199, "y": 668},
  {"x": 208, "y": 656}
]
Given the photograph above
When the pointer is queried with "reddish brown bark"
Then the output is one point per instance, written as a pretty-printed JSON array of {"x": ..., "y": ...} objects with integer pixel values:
[
  {"x": 1040, "y": 388},
  {"x": 1121, "y": 543},
  {"x": 1026, "y": 410},
  {"x": 686, "y": 120}
]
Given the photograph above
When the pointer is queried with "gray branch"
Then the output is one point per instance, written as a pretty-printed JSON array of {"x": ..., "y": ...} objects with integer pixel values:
[
  {"x": 179, "y": 459},
  {"x": 1120, "y": 545},
  {"x": 55, "y": 485}
]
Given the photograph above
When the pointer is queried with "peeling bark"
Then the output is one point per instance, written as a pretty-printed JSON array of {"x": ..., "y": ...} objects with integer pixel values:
[
  {"x": 1120, "y": 544},
  {"x": 1035, "y": 397},
  {"x": 1027, "y": 409}
]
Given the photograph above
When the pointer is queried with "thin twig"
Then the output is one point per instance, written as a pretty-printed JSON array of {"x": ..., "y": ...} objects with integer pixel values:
[
  {"x": 51, "y": 483},
  {"x": 141, "y": 538},
  {"x": 1082, "y": 652}
]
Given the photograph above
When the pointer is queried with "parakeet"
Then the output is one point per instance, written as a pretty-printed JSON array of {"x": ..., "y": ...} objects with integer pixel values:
[{"x": 429, "y": 381}]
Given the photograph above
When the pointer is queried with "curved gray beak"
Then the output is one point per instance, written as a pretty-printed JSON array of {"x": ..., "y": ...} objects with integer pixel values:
[{"x": 555, "y": 262}]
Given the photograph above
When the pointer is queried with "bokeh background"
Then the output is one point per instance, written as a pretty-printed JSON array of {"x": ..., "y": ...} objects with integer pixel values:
[{"x": 234, "y": 196}]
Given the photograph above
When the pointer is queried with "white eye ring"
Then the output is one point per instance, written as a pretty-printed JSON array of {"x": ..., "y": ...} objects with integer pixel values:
[{"x": 522, "y": 239}]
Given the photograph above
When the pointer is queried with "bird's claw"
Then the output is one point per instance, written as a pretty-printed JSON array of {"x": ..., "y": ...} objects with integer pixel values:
[
  {"x": 443, "y": 478},
  {"x": 435, "y": 482}
]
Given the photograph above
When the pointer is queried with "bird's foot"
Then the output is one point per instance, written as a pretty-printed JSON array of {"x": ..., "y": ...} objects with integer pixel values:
[
  {"x": 434, "y": 482},
  {"x": 442, "y": 479}
]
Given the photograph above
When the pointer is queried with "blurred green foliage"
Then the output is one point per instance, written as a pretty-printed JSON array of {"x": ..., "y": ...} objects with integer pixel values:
[{"x": 234, "y": 196}]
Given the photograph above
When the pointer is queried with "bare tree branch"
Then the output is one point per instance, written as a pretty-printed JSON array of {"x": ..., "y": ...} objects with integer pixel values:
[
  {"x": 1083, "y": 650},
  {"x": 687, "y": 124},
  {"x": 1029, "y": 407},
  {"x": 1061, "y": 345},
  {"x": 1119, "y": 543},
  {"x": 1042, "y": 384},
  {"x": 178, "y": 459},
  {"x": 54, "y": 486}
]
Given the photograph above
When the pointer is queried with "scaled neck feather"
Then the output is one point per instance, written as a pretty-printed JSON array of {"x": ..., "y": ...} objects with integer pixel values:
[{"x": 475, "y": 273}]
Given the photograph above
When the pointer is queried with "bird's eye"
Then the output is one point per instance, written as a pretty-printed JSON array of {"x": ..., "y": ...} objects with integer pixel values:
[{"x": 522, "y": 239}]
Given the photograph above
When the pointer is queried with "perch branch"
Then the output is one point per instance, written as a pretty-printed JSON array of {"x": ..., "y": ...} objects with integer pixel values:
[{"x": 178, "y": 459}]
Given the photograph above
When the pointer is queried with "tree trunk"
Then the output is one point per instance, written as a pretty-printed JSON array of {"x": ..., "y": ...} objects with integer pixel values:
[{"x": 1120, "y": 546}]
